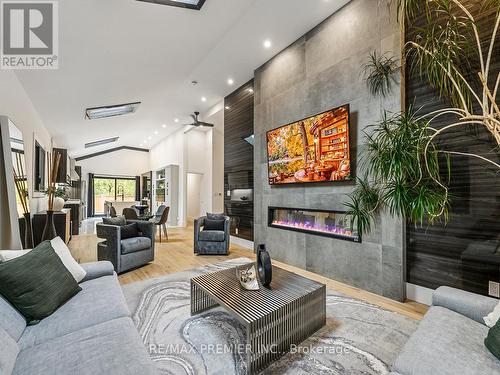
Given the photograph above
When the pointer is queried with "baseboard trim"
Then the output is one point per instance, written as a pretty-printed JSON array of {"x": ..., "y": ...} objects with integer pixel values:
[
  {"x": 242, "y": 242},
  {"x": 419, "y": 294}
]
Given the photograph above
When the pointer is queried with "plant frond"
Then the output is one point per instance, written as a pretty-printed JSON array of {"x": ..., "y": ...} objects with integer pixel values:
[{"x": 379, "y": 73}]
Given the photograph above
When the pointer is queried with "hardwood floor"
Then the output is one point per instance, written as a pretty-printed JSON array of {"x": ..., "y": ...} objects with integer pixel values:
[{"x": 176, "y": 255}]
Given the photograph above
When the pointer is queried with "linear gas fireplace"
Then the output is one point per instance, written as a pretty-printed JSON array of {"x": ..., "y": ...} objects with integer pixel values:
[{"x": 320, "y": 222}]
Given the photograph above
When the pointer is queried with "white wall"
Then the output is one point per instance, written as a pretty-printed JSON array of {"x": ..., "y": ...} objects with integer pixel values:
[
  {"x": 199, "y": 160},
  {"x": 118, "y": 163},
  {"x": 15, "y": 103},
  {"x": 198, "y": 151},
  {"x": 172, "y": 151},
  {"x": 193, "y": 197}
]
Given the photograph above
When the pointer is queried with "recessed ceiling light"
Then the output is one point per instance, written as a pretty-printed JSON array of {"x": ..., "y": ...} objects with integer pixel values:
[
  {"x": 203, "y": 99},
  {"x": 141, "y": 145},
  {"x": 164, "y": 126},
  {"x": 156, "y": 132},
  {"x": 267, "y": 43},
  {"x": 227, "y": 107},
  {"x": 149, "y": 137},
  {"x": 250, "y": 91},
  {"x": 145, "y": 141},
  {"x": 111, "y": 110},
  {"x": 176, "y": 120},
  {"x": 230, "y": 81}
]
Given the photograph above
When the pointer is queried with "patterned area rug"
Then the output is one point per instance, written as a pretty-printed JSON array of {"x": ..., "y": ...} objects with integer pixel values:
[{"x": 359, "y": 338}]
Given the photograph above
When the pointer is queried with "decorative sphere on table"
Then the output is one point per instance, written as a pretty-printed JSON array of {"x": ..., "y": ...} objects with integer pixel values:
[{"x": 264, "y": 266}]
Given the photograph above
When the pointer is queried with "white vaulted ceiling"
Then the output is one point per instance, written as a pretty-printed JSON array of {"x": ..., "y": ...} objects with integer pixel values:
[{"x": 118, "y": 51}]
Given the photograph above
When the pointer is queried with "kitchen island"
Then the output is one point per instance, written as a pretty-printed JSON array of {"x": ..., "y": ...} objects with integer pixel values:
[{"x": 118, "y": 205}]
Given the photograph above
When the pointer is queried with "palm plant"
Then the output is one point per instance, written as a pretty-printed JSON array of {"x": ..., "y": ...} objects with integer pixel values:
[
  {"x": 393, "y": 159},
  {"x": 403, "y": 156},
  {"x": 442, "y": 52},
  {"x": 380, "y": 73}
]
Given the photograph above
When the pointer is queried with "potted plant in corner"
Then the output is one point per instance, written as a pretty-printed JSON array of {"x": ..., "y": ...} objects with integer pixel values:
[
  {"x": 407, "y": 169},
  {"x": 49, "y": 231}
]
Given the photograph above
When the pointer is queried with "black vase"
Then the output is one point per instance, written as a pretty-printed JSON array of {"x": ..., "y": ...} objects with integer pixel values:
[
  {"x": 49, "y": 232},
  {"x": 264, "y": 266},
  {"x": 28, "y": 232}
]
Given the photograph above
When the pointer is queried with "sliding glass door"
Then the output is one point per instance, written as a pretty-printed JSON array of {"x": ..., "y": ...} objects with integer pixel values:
[
  {"x": 125, "y": 190},
  {"x": 112, "y": 189}
]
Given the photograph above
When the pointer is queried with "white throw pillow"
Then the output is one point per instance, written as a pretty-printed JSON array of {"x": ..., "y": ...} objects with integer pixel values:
[
  {"x": 492, "y": 318},
  {"x": 65, "y": 255},
  {"x": 6, "y": 255}
]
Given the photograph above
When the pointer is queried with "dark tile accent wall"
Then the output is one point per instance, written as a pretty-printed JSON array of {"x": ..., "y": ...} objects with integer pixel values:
[
  {"x": 321, "y": 71},
  {"x": 238, "y": 160},
  {"x": 465, "y": 253}
]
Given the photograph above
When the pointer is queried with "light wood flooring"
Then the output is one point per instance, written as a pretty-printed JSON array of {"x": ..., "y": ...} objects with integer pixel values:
[{"x": 176, "y": 255}]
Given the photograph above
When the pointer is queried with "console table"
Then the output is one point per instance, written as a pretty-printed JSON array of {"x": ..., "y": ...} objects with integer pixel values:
[
  {"x": 62, "y": 223},
  {"x": 286, "y": 313}
]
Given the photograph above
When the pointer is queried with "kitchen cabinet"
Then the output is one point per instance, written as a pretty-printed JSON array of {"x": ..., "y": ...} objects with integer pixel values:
[{"x": 166, "y": 192}]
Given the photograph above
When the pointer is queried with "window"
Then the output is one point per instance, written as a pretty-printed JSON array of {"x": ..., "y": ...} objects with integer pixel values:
[
  {"x": 111, "y": 110},
  {"x": 190, "y": 4},
  {"x": 112, "y": 189}
]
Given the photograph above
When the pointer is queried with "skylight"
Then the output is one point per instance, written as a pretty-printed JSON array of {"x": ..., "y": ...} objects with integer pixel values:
[
  {"x": 110, "y": 111},
  {"x": 101, "y": 142},
  {"x": 190, "y": 4}
]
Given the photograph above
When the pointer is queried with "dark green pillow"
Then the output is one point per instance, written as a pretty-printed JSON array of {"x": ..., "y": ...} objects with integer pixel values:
[
  {"x": 215, "y": 216},
  {"x": 129, "y": 231},
  {"x": 214, "y": 224},
  {"x": 492, "y": 341},
  {"x": 117, "y": 221},
  {"x": 37, "y": 283}
]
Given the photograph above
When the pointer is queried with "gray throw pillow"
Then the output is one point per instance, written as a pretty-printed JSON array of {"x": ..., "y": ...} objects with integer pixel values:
[
  {"x": 216, "y": 216},
  {"x": 117, "y": 221},
  {"x": 37, "y": 283}
]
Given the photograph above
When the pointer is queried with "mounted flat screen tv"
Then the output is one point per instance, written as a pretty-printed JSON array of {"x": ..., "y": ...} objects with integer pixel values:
[{"x": 315, "y": 149}]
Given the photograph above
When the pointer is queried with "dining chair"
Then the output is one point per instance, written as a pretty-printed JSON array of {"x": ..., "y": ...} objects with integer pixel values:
[
  {"x": 159, "y": 212},
  {"x": 130, "y": 214},
  {"x": 161, "y": 221}
]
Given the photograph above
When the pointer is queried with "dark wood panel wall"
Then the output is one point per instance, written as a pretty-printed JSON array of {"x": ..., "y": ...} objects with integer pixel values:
[
  {"x": 238, "y": 160},
  {"x": 465, "y": 253}
]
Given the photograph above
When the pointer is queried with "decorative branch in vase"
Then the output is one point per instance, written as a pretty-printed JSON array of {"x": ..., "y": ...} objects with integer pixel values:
[
  {"x": 49, "y": 232},
  {"x": 22, "y": 192}
]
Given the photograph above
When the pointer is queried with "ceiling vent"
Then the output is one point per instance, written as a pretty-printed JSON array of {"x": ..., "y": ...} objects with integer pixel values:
[
  {"x": 189, "y": 4},
  {"x": 111, "y": 111},
  {"x": 101, "y": 142}
]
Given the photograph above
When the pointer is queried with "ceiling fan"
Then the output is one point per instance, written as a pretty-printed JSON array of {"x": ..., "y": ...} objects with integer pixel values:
[{"x": 198, "y": 123}]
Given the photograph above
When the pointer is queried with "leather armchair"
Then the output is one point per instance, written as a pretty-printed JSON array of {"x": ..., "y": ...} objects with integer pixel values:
[
  {"x": 128, "y": 253},
  {"x": 211, "y": 242}
]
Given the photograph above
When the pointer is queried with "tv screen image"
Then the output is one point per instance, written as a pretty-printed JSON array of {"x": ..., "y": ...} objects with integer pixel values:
[{"x": 315, "y": 149}]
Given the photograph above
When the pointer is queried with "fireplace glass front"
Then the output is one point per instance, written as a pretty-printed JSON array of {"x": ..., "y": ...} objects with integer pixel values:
[{"x": 320, "y": 222}]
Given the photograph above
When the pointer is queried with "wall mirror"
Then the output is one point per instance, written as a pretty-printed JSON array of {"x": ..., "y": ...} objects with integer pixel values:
[
  {"x": 19, "y": 169},
  {"x": 13, "y": 184},
  {"x": 39, "y": 164}
]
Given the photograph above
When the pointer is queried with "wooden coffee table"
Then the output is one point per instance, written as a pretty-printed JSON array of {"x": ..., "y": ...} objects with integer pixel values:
[{"x": 286, "y": 313}]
